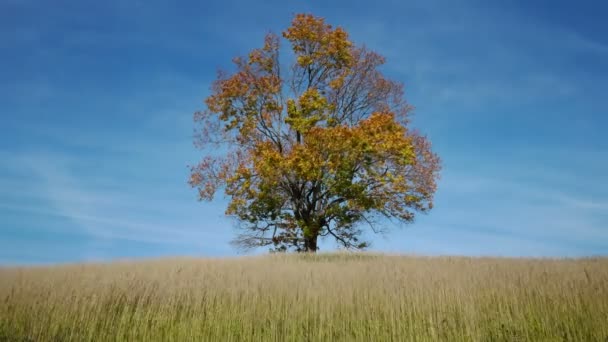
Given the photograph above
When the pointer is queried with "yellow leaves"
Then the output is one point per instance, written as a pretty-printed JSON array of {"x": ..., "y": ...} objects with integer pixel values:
[
  {"x": 311, "y": 101},
  {"x": 339, "y": 47},
  {"x": 310, "y": 109},
  {"x": 306, "y": 27},
  {"x": 337, "y": 83},
  {"x": 303, "y": 163},
  {"x": 343, "y": 131},
  {"x": 304, "y": 61},
  {"x": 336, "y": 152},
  {"x": 267, "y": 161},
  {"x": 292, "y": 108},
  {"x": 387, "y": 135},
  {"x": 313, "y": 41}
]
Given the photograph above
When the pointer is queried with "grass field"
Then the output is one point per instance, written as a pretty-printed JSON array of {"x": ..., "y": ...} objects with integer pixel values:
[{"x": 346, "y": 297}]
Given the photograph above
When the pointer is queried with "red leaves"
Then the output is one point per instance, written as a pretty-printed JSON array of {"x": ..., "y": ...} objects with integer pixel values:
[{"x": 317, "y": 149}]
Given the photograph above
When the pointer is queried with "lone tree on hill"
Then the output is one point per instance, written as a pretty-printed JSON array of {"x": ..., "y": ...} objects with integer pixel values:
[{"x": 321, "y": 148}]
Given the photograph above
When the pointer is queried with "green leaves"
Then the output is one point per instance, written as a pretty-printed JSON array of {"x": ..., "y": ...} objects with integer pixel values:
[
  {"x": 307, "y": 112},
  {"x": 333, "y": 153}
]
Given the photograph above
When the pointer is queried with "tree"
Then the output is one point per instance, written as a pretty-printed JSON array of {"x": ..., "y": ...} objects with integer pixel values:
[{"x": 321, "y": 148}]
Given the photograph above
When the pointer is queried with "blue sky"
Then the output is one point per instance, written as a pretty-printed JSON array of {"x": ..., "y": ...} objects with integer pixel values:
[{"x": 96, "y": 103}]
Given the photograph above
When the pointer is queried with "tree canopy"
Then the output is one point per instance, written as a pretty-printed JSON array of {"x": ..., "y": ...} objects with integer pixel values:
[{"x": 320, "y": 147}]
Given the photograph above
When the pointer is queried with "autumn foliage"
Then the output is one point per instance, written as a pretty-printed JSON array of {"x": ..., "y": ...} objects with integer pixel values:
[{"x": 319, "y": 148}]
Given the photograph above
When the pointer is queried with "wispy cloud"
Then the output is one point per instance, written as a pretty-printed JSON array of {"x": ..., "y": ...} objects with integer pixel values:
[
  {"x": 469, "y": 57},
  {"x": 108, "y": 214},
  {"x": 96, "y": 127}
]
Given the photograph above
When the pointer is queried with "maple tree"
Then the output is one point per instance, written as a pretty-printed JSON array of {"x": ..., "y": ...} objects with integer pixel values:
[{"x": 320, "y": 148}]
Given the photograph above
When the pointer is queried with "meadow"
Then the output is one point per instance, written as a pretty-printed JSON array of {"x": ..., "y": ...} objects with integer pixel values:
[{"x": 323, "y": 297}]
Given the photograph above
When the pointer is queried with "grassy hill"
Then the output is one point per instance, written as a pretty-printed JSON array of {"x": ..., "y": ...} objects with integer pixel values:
[{"x": 345, "y": 297}]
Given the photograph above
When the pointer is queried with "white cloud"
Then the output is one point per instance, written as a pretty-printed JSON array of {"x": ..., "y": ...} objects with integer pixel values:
[{"x": 104, "y": 214}]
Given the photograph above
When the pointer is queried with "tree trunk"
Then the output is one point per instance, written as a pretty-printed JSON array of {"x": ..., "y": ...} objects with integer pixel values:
[{"x": 310, "y": 243}]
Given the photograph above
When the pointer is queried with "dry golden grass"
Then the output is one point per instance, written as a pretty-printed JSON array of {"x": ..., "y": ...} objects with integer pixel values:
[{"x": 308, "y": 298}]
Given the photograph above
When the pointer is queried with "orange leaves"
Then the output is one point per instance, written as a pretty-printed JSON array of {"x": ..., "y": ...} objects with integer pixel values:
[
  {"x": 306, "y": 27},
  {"x": 314, "y": 150},
  {"x": 202, "y": 177},
  {"x": 313, "y": 41},
  {"x": 327, "y": 152},
  {"x": 250, "y": 97},
  {"x": 388, "y": 136},
  {"x": 267, "y": 161},
  {"x": 265, "y": 59},
  {"x": 337, "y": 82}
]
